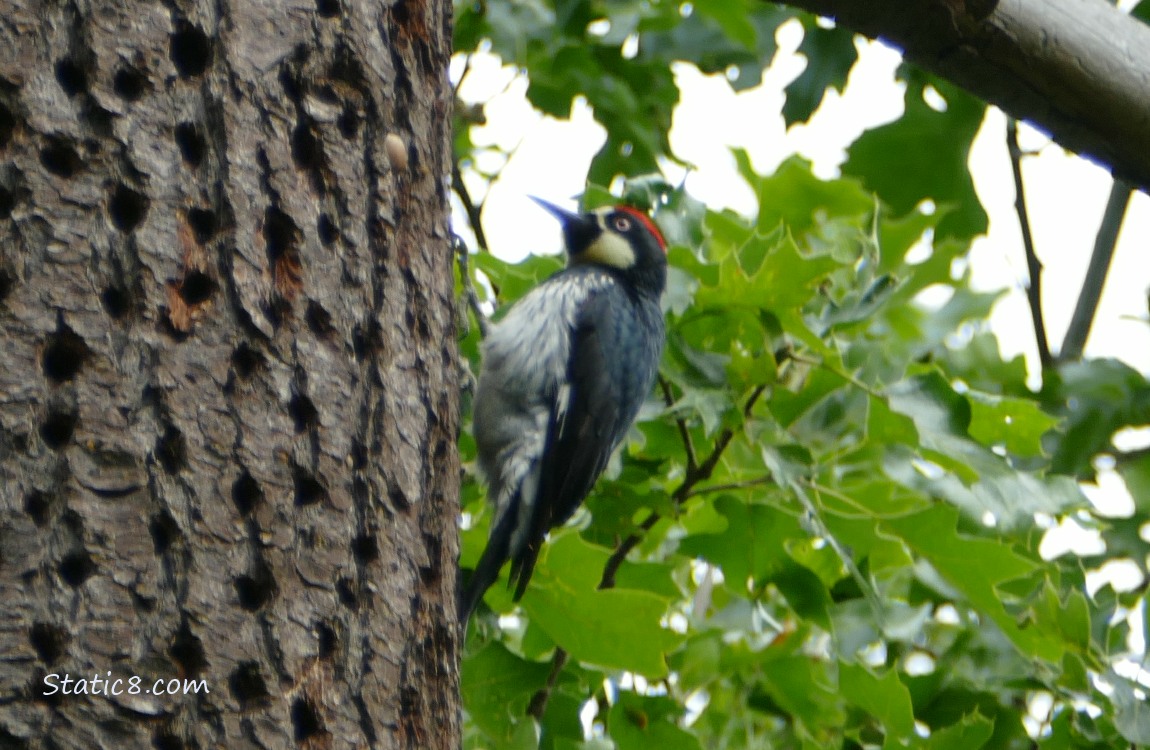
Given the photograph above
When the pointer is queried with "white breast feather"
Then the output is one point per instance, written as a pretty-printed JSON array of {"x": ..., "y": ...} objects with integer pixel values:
[{"x": 525, "y": 359}]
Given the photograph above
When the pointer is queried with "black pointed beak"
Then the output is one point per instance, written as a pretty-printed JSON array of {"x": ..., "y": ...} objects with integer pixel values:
[
  {"x": 579, "y": 230},
  {"x": 562, "y": 214}
]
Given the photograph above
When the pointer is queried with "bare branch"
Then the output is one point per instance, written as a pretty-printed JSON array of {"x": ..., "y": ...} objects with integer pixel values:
[
  {"x": 1033, "y": 264},
  {"x": 681, "y": 493},
  {"x": 474, "y": 217},
  {"x": 539, "y": 701},
  {"x": 684, "y": 433},
  {"x": 1104, "y": 243}
]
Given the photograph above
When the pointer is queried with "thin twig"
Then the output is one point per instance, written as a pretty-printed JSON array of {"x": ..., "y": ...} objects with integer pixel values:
[
  {"x": 1104, "y": 242},
  {"x": 1033, "y": 264},
  {"x": 745, "y": 484},
  {"x": 463, "y": 259},
  {"x": 474, "y": 215},
  {"x": 684, "y": 433},
  {"x": 462, "y": 76},
  {"x": 702, "y": 472},
  {"x": 538, "y": 702}
]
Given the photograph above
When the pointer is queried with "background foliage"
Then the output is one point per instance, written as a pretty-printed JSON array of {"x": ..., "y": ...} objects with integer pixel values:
[{"x": 834, "y": 501}]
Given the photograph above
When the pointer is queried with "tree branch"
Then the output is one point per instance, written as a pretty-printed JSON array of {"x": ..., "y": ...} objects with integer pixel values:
[
  {"x": 702, "y": 472},
  {"x": 539, "y": 701},
  {"x": 1033, "y": 264},
  {"x": 1077, "y": 69},
  {"x": 1104, "y": 243},
  {"x": 473, "y": 211}
]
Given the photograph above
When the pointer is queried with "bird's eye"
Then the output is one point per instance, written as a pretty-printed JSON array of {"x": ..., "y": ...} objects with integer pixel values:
[{"x": 622, "y": 224}]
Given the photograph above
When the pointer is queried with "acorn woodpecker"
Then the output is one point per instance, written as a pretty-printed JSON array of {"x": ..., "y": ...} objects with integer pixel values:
[{"x": 564, "y": 374}]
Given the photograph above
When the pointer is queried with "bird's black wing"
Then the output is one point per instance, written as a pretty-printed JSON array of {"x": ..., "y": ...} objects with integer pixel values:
[{"x": 588, "y": 420}]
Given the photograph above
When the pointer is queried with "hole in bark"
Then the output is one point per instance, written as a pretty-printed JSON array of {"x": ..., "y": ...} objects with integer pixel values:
[
  {"x": 57, "y": 429},
  {"x": 7, "y": 282},
  {"x": 187, "y": 651},
  {"x": 308, "y": 489},
  {"x": 64, "y": 356},
  {"x": 367, "y": 340},
  {"x": 327, "y": 640},
  {"x": 7, "y": 125},
  {"x": 327, "y": 231},
  {"x": 248, "y": 686},
  {"x": 7, "y": 203},
  {"x": 255, "y": 589},
  {"x": 348, "y": 596},
  {"x": 72, "y": 77},
  {"x": 305, "y": 148},
  {"x": 127, "y": 208},
  {"x": 60, "y": 159},
  {"x": 76, "y": 567},
  {"x": 359, "y": 490},
  {"x": 189, "y": 49},
  {"x": 318, "y": 320},
  {"x": 48, "y": 640},
  {"x": 246, "y": 360},
  {"x": 191, "y": 144},
  {"x": 365, "y": 549},
  {"x": 280, "y": 233},
  {"x": 116, "y": 302},
  {"x": 172, "y": 450},
  {"x": 348, "y": 124},
  {"x": 281, "y": 237},
  {"x": 164, "y": 530},
  {"x": 246, "y": 493},
  {"x": 196, "y": 288},
  {"x": 305, "y": 720},
  {"x": 167, "y": 741},
  {"x": 129, "y": 84},
  {"x": 327, "y": 8},
  {"x": 303, "y": 412},
  {"x": 38, "y": 505},
  {"x": 358, "y": 454},
  {"x": 203, "y": 223}
]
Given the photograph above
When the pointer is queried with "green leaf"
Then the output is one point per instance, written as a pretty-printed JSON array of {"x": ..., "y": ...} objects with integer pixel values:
[
  {"x": 1014, "y": 423},
  {"x": 751, "y": 545},
  {"x": 882, "y": 696},
  {"x": 799, "y": 687},
  {"x": 618, "y": 629},
  {"x": 969, "y": 733},
  {"x": 1131, "y": 709},
  {"x": 496, "y": 688},
  {"x": 976, "y": 567},
  {"x": 830, "y": 55},
  {"x": 639, "y": 723},
  {"x": 923, "y": 155}
]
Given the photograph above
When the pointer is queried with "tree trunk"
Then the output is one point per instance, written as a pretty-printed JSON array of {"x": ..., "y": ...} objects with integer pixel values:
[
  {"x": 1078, "y": 69},
  {"x": 228, "y": 377}
]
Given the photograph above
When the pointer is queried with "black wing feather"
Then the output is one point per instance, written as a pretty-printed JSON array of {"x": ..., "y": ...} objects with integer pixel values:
[{"x": 581, "y": 440}]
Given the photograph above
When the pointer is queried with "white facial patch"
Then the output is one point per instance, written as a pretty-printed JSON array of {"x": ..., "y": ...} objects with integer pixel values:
[{"x": 609, "y": 249}]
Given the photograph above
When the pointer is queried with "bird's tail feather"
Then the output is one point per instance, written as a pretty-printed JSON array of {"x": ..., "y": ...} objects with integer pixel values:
[{"x": 488, "y": 568}]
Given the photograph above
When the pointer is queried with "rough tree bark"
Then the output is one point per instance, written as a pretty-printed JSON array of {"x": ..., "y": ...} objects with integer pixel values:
[
  {"x": 1078, "y": 69},
  {"x": 228, "y": 379}
]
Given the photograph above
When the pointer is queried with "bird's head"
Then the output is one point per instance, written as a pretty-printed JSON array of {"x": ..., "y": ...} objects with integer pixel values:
[{"x": 618, "y": 237}]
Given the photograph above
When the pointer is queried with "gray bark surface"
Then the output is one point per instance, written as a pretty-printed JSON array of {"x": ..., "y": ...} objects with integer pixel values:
[{"x": 228, "y": 379}]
